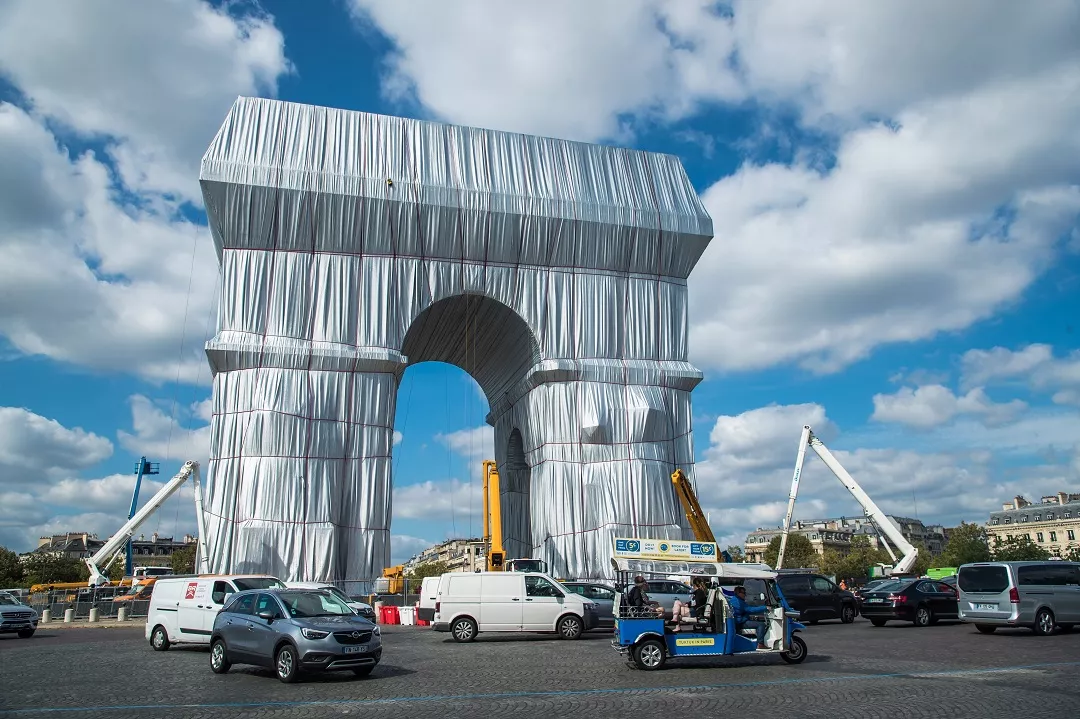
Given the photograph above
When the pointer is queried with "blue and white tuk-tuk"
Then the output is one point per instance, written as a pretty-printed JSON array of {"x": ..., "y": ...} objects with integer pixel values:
[{"x": 648, "y": 640}]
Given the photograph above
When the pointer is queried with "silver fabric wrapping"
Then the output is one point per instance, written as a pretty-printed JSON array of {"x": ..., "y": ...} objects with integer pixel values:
[{"x": 353, "y": 245}]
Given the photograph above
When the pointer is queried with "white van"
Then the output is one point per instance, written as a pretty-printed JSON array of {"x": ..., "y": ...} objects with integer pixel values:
[
  {"x": 473, "y": 602},
  {"x": 1043, "y": 596},
  {"x": 429, "y": 594},
  {"x": 182, "y": 609}
]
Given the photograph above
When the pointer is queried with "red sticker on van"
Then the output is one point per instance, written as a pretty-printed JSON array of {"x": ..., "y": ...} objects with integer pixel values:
[{"x": 191, "y": 587}]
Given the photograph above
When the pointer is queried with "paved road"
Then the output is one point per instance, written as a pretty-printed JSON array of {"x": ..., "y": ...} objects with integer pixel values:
[{"x": 852, "y": 671}]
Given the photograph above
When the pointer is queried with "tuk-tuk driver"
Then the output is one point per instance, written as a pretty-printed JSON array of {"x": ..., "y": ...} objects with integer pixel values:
[{"x": 741, "y": 614}]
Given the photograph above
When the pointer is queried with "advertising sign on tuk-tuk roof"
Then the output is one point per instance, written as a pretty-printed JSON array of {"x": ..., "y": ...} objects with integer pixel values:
[{"x": 664, "y": 549}]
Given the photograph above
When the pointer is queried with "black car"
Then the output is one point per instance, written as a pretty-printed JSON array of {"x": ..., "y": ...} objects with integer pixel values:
[
  {"x": 920, "y": 601},
  {"x": 816, "y": 597}
]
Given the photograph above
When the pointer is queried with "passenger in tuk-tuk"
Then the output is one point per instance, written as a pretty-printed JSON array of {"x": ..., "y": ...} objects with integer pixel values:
[
  {"x": 741, "y": 613},
  {"x": 638, "y": 600},
  {"x": 695, "y": 608}
]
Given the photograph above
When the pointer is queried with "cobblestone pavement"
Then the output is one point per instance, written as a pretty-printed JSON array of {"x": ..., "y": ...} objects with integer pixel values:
[{"x": 852, "y": 671}]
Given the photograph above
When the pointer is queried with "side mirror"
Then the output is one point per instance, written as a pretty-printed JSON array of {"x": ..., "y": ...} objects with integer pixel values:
[{"x": 267, "y": 615}]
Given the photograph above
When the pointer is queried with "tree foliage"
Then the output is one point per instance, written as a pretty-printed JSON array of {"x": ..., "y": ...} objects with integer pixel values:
[
  {"x": 1071, "y": 553},
  {"x": 736, "y": 553},
  {"x": 183, "y": 560},
  {"x": 1018, "y": 549},
  {"x": 428, "y": 569},
  {"x": 799, "y": 553},
  {"x": 967, "y": 543},
  {"x": 51, "y": 568},
  {"x": 856, "y": 563},
  {"x": 11, "y": 569}
]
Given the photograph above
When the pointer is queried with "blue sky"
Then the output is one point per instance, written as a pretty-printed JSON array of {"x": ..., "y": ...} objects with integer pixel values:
[{"x": 896, "y": 260}]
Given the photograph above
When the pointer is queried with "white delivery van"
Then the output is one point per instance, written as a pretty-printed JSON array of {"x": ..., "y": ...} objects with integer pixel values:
[
  {"x": 182, "y": 609},
  {"x": 473, "y": 602},
  {"x": 429, "y": 594}
]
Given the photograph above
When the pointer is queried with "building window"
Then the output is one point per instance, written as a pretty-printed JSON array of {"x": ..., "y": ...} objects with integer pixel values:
[
  {"x": 1008, "y": 520},
  {"x": 1024, "y": 518},
  {"x": 1053, "y": 536},
  {"x": 1039, "y": 538},
  {"x": 1066, "y": 515},
  {"x": 1072, "y": 535},
  {"x": 1009, "y": 537},
  {"x": 1049, "y": 516},
  {"x": 993, "y": 521},
  {"x": 1038, "y": 517}
]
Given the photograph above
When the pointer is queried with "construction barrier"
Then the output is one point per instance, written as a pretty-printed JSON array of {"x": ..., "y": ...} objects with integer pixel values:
[{"x": 389, "y": 615}]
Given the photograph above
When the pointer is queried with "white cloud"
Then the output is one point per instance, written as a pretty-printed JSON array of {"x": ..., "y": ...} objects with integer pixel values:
[
  {"x": 1034, "y": 365},
  {"x": 99, "y": 267},
  {"x": 157, "y": 434},
  {"x": 934, "y": 404},
  {"x": 475, "y": 444},
  {"x": 404, "y": 547},
  {"x": 451, "y": 500},
  {"x": 37, "y": 450},
  {"x": 398, "y": 436},
  {"x": 154, "y": 78}
]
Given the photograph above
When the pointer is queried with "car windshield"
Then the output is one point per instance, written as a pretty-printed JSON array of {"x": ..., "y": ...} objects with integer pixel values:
[
  {"x": 339, "y": 594},
  {"x": 891, "y": 586},
  {"x": 258, "y": 583},
  {"x": 7, "y": 599},
  {"x": 314, "y": 604}
]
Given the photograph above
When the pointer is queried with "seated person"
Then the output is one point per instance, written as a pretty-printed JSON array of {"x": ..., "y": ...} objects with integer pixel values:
[
  {"x": 638, "y": 600},
  {"x": 741, "y": 612},
  {"x": 696, "y": 607}
]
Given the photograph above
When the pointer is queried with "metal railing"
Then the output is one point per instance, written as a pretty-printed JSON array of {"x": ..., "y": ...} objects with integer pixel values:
[{"x": 57, "y": 602}]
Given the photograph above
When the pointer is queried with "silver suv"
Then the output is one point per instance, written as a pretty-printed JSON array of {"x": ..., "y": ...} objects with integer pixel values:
[
  {"x": 1041, "y": 595},
  {"x": 293, "y": 631},
  {"x": 16, "y": 617}
]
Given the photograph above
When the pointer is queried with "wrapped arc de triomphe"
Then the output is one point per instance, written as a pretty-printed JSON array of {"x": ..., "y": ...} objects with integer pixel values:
[{"x": 353, "y": 245}]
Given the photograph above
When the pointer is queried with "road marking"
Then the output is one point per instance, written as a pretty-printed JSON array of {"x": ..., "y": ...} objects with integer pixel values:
[{"x": 542, "y": 694}]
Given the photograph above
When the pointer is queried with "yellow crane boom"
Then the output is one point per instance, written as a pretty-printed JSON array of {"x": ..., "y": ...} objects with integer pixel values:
[
  {"x": 493, "y": 535},
  {"x": 694, "y": 515}
]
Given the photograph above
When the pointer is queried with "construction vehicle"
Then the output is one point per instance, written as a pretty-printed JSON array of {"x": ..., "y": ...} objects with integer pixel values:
[
  {"x": 493, "y": 534},
  {"x": 885, "y": 526},
  {"x": 98, "y": 564},
  {"x": 698, "y": 523},
  {"x": 392, "y": 581}
]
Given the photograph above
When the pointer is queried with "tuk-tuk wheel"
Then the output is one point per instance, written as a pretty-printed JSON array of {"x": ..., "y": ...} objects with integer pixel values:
[
  {"x": 797, "y": 653},
  {"x": 649, "y": 654}
]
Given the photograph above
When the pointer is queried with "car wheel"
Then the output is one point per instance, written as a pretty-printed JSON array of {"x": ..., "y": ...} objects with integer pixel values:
[
  {"x": 649, "y": 654},
  {"x": 26, "y": 633},
  {"x": 363, "y": 671},
  {"x": 159, "y": 639},
  {"x": 286, "y": 664},
  {"x": 219, "y": 658},
  {"x": 570, "y": 627},
  {"x": 985, "y": 628},
  {"x": 463, "y": 630},
  {"x": 1044, "y": 623},
  {"x": 923, "y": 617},
  {"x": 847, "y": 614},
  {"x": 797, "y": 653},
  {"x": 878, "y": 622}
]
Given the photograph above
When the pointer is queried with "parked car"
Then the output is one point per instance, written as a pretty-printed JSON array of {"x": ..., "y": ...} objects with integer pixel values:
[
  {"x": 817, "y": 597},
  {"x": 293, "y": 631},
  {"x": 364, "y": 609},
  {"x": 600, "y": 594},
  {"x": 859, "y": 592},
  {"x": 16, "y": 617},
  {"x": 920, "y": 601},
  {"x": 473, "y": 602},
  {"x": 1042, "y": 596},
  {"x": 666, "y": 591},
  {"x": 182, "y": 609}
]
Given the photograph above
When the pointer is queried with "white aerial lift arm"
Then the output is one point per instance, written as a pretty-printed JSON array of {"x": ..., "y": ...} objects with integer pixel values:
[
  {"x": 118, "y": 540},
  {"x": 884, "y": 524}
]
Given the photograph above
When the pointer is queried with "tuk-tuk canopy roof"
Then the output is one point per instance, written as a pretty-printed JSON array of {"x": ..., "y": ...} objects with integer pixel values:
[{"x": 731, "y": 570}]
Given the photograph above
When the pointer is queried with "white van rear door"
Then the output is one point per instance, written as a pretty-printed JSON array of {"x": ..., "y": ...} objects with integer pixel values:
[{"x": 501, "y": 607}]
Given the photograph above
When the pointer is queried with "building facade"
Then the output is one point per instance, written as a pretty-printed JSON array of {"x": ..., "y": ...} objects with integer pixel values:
[
  {"x": 1053, "y": 523},
  {"x": 837, "y": 533},
  {"x": 153, "y": 551},
  {"x": 459, "y": 555}
]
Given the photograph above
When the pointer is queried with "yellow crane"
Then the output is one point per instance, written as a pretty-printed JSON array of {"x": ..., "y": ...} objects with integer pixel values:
[
  {"x": 698, "y": 523},
  {"x": 496, "y": 554}
]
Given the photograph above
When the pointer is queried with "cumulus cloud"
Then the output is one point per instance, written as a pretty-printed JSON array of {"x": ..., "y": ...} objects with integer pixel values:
[
  {"x": 443, "y": 500},
  {"x": 1034, "y": 365},
  {"x": 35, "y": 449},
  {"x": 933, "y": 405},
  {"x": 155, "y": 433},
  {"x": 100, "y": 266},
  {"x": 404, "y": 547},
  {"x": 475, "y": 444}
]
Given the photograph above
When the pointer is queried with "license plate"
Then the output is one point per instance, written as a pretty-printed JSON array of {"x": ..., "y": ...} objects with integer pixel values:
[
  {"x": 359, "y": 648},
  {"x": 874, "y": 601},
  {"x": 986, "y": 607}
]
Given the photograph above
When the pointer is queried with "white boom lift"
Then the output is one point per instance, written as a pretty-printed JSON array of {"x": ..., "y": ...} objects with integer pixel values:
[
  {"x": 885, "y": 525},
  {"x": 110, "y": 550}
]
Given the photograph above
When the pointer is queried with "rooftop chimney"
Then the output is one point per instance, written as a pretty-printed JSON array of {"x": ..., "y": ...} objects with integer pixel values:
[{"x": 1062, "y": 497}]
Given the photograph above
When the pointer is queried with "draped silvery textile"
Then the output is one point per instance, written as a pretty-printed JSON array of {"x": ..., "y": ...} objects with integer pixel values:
[{"x": 353, "y": 245}]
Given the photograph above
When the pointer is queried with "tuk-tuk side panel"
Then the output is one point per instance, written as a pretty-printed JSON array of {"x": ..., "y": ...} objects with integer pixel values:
[
  {"x": 738, "y": 642},
  {"x": 688, "y": 644},
  {"x": 629, "y": 630}
]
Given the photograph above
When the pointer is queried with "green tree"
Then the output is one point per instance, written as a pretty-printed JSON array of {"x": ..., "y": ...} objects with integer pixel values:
[
  {"x": 1018, "y": 549},
  {"x": 923, "y": 561},
  {"x": 116, "y": 569},
  {"x": 48, "y": 568},
  {"x": 799, "y": 553},
  {"x": 967, "y": 543},
  {"x": 183, "y": 560},
  {"x": 856, "y": 563},
  {"x": 11, "y": 569},
  {"x": 736, "y": 553},
  {"x": 1071, "y": 553}
]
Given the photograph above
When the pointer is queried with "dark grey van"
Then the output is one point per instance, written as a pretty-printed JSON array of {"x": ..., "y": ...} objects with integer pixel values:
[{"x": 1042, "y": 596}]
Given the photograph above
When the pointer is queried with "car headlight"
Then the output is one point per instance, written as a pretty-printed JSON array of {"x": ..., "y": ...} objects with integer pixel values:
[
  {"x": 314, "y": 633},
  {"x": 376, "y": 631},
  {"x": 591, "y": 606}
]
